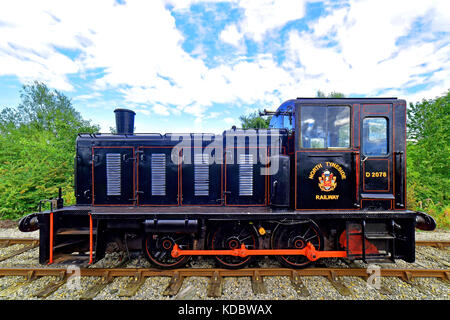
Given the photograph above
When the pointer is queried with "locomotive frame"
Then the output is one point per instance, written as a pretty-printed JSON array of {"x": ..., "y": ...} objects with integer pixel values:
[{"x": 328, "y": 179}]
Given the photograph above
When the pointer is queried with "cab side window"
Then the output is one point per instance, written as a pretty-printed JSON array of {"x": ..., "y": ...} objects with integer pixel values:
[
  {"x": 313, "y": 126},
  {"x": 375, "y": 136},
  {"x": 325, "y": 127},
  {"x": 338, "y": 121},
  {"x": 277, "y": 122},
  {"x": 284, "y": 119}
]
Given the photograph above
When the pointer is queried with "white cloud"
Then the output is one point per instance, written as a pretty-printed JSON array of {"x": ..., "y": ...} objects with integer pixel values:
[
  {"x": 83, "y": 97},
  {"x": 356, "y": 49},
  {"x": 160, "y": 109},
  {"x": 260, "y": 16},
  {"x": 143, "y": 111},
  {"x": 231, "y": 35},
  {"x": 137, "y": 50},
  {"x": 28, "y": 37},
  {"x": 265, "y": 15},
  {"x": 229, "y": 120}
]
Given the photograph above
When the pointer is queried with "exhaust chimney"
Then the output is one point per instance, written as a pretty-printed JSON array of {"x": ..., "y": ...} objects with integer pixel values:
[{"x": 124, "y": 121}]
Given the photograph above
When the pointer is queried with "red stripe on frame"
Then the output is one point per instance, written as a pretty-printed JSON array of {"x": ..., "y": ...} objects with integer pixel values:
[
  {"x": 50, "y": 260},
  {"x": 90, "y": 239}
]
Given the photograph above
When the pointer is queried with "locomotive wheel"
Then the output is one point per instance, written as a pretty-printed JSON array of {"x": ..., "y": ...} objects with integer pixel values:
[
  {"x": 230, "y": 236},
  {"x": 296, "y": 236},
  {"x": 158, "y": 247}
]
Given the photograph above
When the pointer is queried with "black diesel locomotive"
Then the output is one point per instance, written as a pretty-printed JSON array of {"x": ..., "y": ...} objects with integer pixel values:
[{"x": 327, "y": 179}]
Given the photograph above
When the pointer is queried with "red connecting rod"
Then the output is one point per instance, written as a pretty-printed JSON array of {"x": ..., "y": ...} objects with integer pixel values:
[{"x": 309, "y": 251}]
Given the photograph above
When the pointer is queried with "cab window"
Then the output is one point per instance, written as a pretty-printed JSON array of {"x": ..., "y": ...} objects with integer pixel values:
[
  {"x": 277, "y": 122},
  {"x": 325, "y": 127},
  {"x": 281, "y": 119},
  {"x": 375, "y": 139}
]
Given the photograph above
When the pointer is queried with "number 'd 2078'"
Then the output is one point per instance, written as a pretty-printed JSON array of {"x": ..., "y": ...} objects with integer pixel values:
[{"x": 376, "y": 174}]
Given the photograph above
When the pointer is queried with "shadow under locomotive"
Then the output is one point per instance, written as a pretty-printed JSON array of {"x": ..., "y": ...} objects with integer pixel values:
[{"x": 326, "y": 180}]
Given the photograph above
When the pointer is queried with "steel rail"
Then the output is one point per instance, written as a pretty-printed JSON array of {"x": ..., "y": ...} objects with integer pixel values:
[
  {"x": 4, "y": 242},
  {"x": 433, "y": 243},
  {"x": 200, "y": 272}
]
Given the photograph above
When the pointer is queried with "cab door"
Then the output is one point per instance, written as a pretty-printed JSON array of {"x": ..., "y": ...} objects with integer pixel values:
[
  {"x": 325, "y": 161},
  {"x": 376, "y": 156}
]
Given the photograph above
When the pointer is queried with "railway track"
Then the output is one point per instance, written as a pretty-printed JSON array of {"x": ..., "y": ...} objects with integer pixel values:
[{"x": 216, "y": 276}]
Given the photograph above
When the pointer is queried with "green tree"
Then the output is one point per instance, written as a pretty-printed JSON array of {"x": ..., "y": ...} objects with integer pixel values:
[
  {"x": 37, "y": 149},
  {"x": 254, "y": 121},
  {"x": 428, "y": 156}
]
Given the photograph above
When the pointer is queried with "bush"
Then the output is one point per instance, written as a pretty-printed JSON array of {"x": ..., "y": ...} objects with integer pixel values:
[
  {"x": 37, "y": 149},
  {"x": 428, "y": 163}
]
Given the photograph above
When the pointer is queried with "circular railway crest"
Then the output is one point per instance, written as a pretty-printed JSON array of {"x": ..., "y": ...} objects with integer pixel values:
[{"x": 327, "y": 182}]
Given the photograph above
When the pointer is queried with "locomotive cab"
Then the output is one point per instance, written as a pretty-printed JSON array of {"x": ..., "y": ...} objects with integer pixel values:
[{"x": 350, "y": 154}]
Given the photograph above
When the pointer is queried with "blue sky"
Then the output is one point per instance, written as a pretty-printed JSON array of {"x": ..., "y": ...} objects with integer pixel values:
[{"x": 196, "y": 66}]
